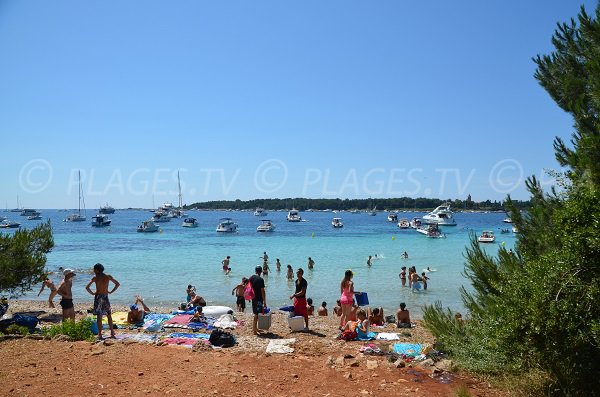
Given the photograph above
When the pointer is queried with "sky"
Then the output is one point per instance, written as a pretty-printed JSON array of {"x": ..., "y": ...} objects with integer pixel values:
[{"x": 274, "y": 99}]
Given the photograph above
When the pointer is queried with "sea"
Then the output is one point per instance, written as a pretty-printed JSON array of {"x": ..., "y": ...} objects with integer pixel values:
[{"x": 159, "y": 266}]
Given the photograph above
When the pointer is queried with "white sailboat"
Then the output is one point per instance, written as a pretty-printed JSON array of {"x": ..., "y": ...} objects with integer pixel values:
[
  {"x": 78, "y": 217},
  {"x": 372, "y": 212}
]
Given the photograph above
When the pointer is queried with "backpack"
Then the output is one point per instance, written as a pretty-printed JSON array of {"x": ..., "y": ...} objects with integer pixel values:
[
  {"x": 249, "y": 291},
  {"x": 221, "y": 338}
]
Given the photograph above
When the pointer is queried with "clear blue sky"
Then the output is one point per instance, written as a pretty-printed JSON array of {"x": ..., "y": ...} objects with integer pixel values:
[{"x": 259, "y": 99}]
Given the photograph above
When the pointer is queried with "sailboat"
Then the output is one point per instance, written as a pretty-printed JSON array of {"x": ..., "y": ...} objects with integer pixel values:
[
  {"x": 178, "y": 213},
  {"x": 77, "y": 217},
  {"x": 372, "y": 211}
]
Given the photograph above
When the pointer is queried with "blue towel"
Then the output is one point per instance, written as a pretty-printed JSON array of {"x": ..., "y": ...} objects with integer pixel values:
[
  {"x": 190, "y": 336},
  {"x": 408, "y": 349}
]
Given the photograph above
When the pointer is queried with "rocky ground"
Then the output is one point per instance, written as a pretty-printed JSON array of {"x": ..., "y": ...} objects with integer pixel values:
[{"x": 320, "y": 365}]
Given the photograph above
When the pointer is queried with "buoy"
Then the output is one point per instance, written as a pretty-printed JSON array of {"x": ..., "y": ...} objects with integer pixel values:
[
  {"x": 393, "y": 237},
  {"x": 313, "y": 234},
  {"x": 161, "y": 231},
  {"x": 503, "y": 243}
]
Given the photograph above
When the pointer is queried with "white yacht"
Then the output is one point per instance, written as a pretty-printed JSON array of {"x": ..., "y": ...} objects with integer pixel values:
[
  {"x": 416, "y": 223},
  {"x": 442, "y": 216},
  {"x": 486, "y": 237},
  {"x": 515, "y": 230},
  {"x": 6, "y": 224},
  {"x": 431, "y": 231},
  {"x": 29, "y": 212},
  {"x": 226, "y": 225},
  {"x": 266, "y": 226},
  {"x": 148, "y": 227},
  {"x": 293, "y": 216},
  {"x": 190, "y": 222},
  {"x": 161, "y": 217},
  {"x": 100, "y": 220},
  {"x": 106, "y": 209},
  {"x": 404, "y": 224},
  {"x": 260, "y": 212},
  {"x": 337, "y": 223},
  {"x": 34, "y": 217},
  {"x": 392, "y": 217},
  {"x": 507, "y": 220}
]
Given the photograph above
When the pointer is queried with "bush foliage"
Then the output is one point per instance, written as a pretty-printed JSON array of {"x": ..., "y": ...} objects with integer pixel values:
[
  {"x": 537, "y": 309},
  {"x": 75, "y": 330}
]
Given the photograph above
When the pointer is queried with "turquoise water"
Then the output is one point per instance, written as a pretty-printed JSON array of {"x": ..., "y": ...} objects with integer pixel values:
[{"x": 160, "y": 265}]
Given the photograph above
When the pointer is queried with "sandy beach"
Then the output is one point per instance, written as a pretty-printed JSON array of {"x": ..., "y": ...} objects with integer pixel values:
[{"x": 319, "y": 365}]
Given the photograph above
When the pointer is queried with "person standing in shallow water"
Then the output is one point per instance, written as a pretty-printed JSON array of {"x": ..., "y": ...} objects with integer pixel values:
[
  {"x": 101, "y": 302},
  {"x": 311, "y": 263},
  {"x": 290, "y": 272}
]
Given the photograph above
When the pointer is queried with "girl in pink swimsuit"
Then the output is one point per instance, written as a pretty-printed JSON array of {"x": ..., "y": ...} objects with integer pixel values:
[{"x": 347, "y": 298}]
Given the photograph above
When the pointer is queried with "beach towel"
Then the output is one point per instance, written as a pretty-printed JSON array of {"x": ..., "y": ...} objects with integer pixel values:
[
  {"x": 387, "y": 336},
  {"x": 368, "y": 336},
  {"x": 139, "y": 337},
  {"x": 408, "y": 349},
  {"x": 178, "y": 321},
  {"x": 280, "y": 346},
  {"x": 226, "y": 321},
  {"x": 187, "y": 342},
  {"x": 153, "y": 321},
  {"x": 188, "y": 335},
  {"x": 119, "y": 318}
]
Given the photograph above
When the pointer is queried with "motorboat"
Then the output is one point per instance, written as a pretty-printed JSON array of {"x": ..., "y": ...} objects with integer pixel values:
[
  {"x": 487, "y": 236},
  {"x": 7, "y": 224},
  {"x": 515, "y": 230},
  {"x": 266, "y": 226},
  {"x": 404, "y": 224},
  {"x": 293, "y": 216},
  {"x": 148, "y": 227},
  {"x": 431, "y": 231},
  {"x": 34, "y": 217},
  {"x": 337, "y": 223},
  {"x": 106, "y": 209},
  {"x": 100, "y": 220},
  {"x": 161, "y": 216},
  {"x": 442, "y": 216},
  {"x": 2, "y": 218},
  {"x": 392, "y": 217},
  {"x": 29, "y": 212},
  {"x": 260, "y": 212},
  {"x": 77, "y": 217},
  {"x": 507, "y": 220},
  {"x": 190, "y": 222},
  {"x": 226, "y": 225},
  {"x": 166, "y": 207},
  {"x": 416, "y": 223}
]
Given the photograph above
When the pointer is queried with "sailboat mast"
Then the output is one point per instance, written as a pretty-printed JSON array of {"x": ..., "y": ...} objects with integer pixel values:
[{"x": 179, "y": 187}]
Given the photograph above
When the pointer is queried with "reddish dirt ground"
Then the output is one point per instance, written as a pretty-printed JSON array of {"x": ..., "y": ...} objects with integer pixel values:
[{"x": 34, "y": 368}]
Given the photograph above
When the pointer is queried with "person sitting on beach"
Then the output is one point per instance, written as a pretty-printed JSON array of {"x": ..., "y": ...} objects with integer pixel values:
[
  {"x": 310, "y": 309},
  {"x": 360, "y": 324},
  {"x": 290, "y": 272},
  {"x": 188, "y": 291},
  {"x": 337, "y": 310},
  {"x": 196, "y": 300},
  {"x": 48, "y": 283},
  {"x": 135, "y": 314},
  {"x": 277, "y": 265},
  {"x": 239, "y": 295},
  {"x": 403, "y": 316},
  {"x": 322, "y": 311},
  {"x": 376, "y": 316},
  {"x": 198, "y": 315}
]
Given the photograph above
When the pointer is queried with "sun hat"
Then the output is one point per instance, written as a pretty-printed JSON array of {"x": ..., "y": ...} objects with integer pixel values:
[
  {"x": 133, "y": 307},
  {"x": 68, "y": 271}
]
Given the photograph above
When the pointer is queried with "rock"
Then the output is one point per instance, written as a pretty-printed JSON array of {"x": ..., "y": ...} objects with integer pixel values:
[
  {"x": 372, "y": 364},
  {"x": 140, "y": 374},
  {"x": 340, "y": 362},
  {"x": 426, "y": 363},
  {"x": 61, "y": 338},
  {"x": 35, "y": 337},
  {"x": 436, "y": 371},
  {"x": 109, "y": 342},
  {"x": 348, "y": 375},
  {"x": 399, "y": 363},
  {"x": 97, "y": 351},
  {"x": 445, "y": 365},
  {"x": 354, "y": 364}
]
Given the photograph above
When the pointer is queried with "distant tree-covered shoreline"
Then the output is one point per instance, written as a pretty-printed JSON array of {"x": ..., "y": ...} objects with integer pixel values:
[{"x": 390, "y": 204}]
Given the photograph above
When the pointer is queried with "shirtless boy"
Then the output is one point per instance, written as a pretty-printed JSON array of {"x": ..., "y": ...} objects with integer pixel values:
[
  {"x": 238, "y": 290},
  {"x": 64, "y": 290},
  {"x": 101, "y": 302},
  {"x": 403, "y": 316}
]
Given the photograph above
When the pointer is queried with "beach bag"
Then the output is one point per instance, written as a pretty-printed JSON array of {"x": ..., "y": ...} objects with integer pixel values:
[
  {"x": 221, "y": 338},
  {"x": 391, "y": 319},
  {"x": 248, "y": 291},
  {"x": 26, "y": 321}
]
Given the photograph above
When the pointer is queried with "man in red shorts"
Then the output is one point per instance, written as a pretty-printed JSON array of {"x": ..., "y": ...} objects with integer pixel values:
[{"x": 300, "y": 297}]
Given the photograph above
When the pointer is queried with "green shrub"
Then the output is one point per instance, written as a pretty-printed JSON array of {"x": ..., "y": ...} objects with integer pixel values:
[
  {"x": 15, "y": 329},
  {"x": 75, "y": 330}
]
